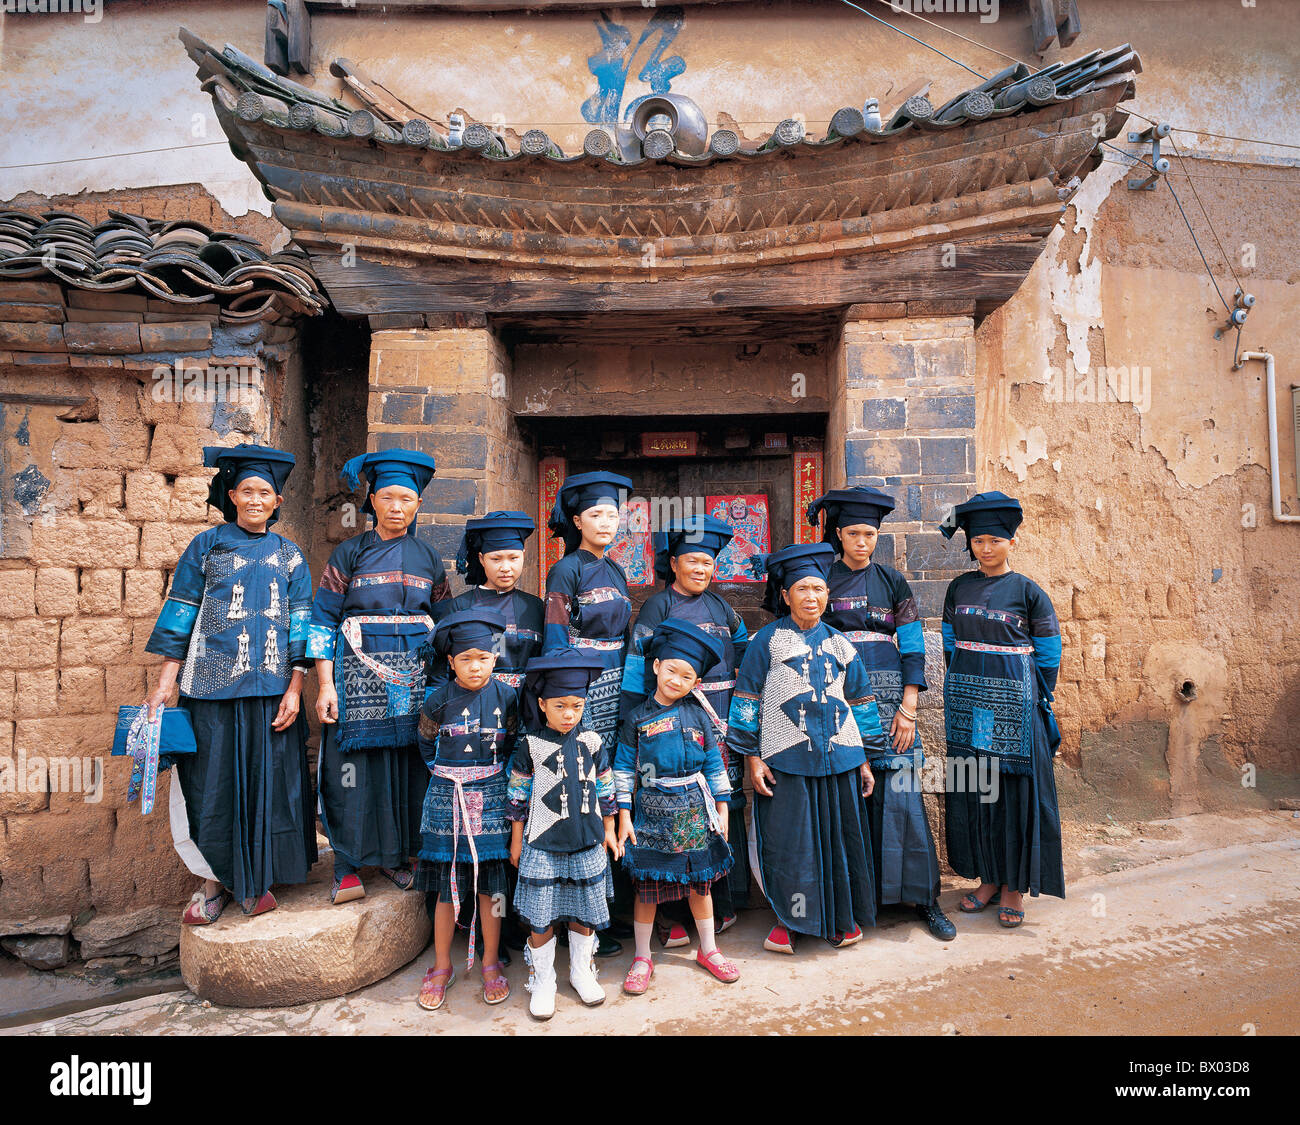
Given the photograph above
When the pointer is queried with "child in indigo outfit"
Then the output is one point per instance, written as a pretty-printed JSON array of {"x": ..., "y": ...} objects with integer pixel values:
[
  {"x": 467, "y": 726},
  {"x": 561, "y": 793},
  {"x": 669, "y": 765}
]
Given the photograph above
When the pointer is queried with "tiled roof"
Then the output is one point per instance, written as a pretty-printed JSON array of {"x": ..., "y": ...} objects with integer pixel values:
[
  {"x": 252, "y": 92},
  {"x": 182, "y": 262}
]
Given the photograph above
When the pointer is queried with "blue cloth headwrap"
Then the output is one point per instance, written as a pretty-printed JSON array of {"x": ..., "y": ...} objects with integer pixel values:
[
  {"x": 845, "y": 507},
  {"x": 469, "y": 628},
  {"x": 685, "y": 537},
  {"x": 576, "y": 495},
  {"x": 788, "y": 566},
  {"x": 680, "y": 640},
  {"x": 552, "y": 677},
  {"x": 237, "y": 463},
  {"x": 985, "y": 513},
  {"x": 497, "y": 531},
  {"x": 406, "y": 467}
]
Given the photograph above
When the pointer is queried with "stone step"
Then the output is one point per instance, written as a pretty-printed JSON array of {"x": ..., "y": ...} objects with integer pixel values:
[{"x": 307, "y": 949}]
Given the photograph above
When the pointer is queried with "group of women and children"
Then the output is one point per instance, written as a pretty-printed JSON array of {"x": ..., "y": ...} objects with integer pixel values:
[{"x": 540, "y": 767}]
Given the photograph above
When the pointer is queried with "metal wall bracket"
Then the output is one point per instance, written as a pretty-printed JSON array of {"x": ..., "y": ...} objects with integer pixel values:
[{"x": 1158, "y": 163}]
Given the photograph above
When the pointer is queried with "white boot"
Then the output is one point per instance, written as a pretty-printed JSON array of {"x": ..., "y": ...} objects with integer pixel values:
[
  {"x": 541, "y": 979},
  {"x": 582, "y": 968}
]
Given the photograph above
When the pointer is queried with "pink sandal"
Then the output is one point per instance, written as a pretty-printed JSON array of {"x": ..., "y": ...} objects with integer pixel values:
[
  {"x": 635, "y": 983},
  {"x": 432, "y": 991},
  {"x": 723, "y": 969},
  {"x": 497, "y": 978}
]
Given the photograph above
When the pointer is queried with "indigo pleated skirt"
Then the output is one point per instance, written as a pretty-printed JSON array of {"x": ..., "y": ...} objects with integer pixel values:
[
  {"x": 371, "y": 802},
  {"x": 564, "y": 887},
  {"x": 813, "y": 844},
  {"x": 906, "y": 865},
  {"x": 248, "y": 794},
  {"x": 1015, "y": 840}
]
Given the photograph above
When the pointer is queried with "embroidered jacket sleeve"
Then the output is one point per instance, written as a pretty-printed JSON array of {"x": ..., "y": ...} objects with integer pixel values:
[
  {"x": 911, "y": 636},
  {"x": 1044, "y": 633},
  {"x": 171, "y": 634},
  {"x": 949, "y": 617},
  {"x": 561, "y": 592},
  {"x": 624, "y": 774},
  {"x": 519, "y": 786},
  {"x": 300, "y": 601},
  {"x": 327, "y": 608},
  {"x": 857, "y": 693},
  {"x": 715, "y": 769},
  {"x": 605, "y": 783},
  {"x": 743, "y": 718},
  {"x": 430, "y": 722}
]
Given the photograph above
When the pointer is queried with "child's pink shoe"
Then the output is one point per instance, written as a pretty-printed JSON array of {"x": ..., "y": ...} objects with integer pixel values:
[
  {"x": 637, "y": 981},
  {"x": 719, "y": 966}
]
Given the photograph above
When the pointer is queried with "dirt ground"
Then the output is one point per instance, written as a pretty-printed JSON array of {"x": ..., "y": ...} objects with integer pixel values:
[{"x": 1179, "y": 926}]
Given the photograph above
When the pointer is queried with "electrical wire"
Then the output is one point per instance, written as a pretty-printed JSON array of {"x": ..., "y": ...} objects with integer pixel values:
[{"x": 913, "y": 38}]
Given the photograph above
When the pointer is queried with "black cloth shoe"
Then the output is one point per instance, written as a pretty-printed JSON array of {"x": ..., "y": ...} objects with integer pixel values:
[
  {"x": 937, "y": 922},
  {"x": 607, "y": 945},
  {"x": 514, "y": 939},
  {"x": 619, "y": 929}
]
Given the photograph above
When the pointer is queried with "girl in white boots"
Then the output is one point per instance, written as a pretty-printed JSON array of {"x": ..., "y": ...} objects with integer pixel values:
[{"x": 561, "y": 794}]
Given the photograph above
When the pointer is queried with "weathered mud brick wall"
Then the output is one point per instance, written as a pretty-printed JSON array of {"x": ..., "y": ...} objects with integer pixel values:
[{"x": 103, "y": 488}]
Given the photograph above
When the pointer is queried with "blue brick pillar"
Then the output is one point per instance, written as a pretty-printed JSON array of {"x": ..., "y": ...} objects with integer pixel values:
[
  {"x": 903, "y": 418},
  {"x": 445, "y": 392}
]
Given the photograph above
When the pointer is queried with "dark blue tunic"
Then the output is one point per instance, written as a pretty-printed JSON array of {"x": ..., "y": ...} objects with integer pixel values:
[
  {"x": 523, "y": 614},
  {"x": 875, "y": 609},
  {"x": 236, "y": 616},
  {"x": 1001, "y": 640},
  {"x": 371, "y": 801}
]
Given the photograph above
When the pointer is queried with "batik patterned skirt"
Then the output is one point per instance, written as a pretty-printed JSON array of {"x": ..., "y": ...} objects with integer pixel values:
[
  {"x": 677, "y": 849},
  {"x": 564, "y": 887}
]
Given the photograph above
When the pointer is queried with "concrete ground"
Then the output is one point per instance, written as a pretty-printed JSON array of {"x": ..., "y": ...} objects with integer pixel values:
[{"x": 1179, "y": 926}]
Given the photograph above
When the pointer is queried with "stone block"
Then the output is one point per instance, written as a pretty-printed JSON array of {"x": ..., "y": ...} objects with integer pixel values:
[
  {"x": 148, "y": 496},
  {"x": 36, "y": 694},
  {"x": 941, "y": 412},
  {"x": 96, "y": 641},
  {"x": 880, "y": 457},
  {"x": 947, "y": 457},
  {"x": 101, "y": 592},
  {"x": 67, "y": 542},
  {"x": 148, "y": 932},
  {"x": 30, "y": 643},
  {"x": 144, "y": 593},
  {"x": 39, "y": 952},
  {"x": 884, "y": 414}
]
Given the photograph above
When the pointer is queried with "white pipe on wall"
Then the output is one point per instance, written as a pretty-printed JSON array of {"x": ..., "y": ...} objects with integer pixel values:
[{"x": 1271, "y": 391}]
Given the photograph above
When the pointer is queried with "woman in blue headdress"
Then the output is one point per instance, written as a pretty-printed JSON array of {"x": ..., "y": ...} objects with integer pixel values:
[
  {"x": 372, "y": 618},
  {"x": 686, "y": 554},
  {"x": 588, "y": 609},
  {"x": 1002, "y": 647},
  {"x": 873, "y": 606},
  {"x": 234, "y": 629},
  {"x": 491, "y": 558},
  {"x": 804, "y": 715}
]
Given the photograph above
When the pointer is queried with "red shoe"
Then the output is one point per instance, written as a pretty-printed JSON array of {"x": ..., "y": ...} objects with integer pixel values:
[
  {"x": 719, "y": 966},
  {"x": 780, "y": 940},
  {"x": 671, "y": 937},
  {"x": 347, "y": 889},
  {"x": 851, "y": 938},
  {"x": 254, "y": 906}
]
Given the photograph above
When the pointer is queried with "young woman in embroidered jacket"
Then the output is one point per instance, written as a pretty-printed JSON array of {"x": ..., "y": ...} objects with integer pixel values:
[
  {"x": 587, "y": 608},
  {"x": 1002, "y": 647},
  {"x": 686, "y": 554},
  {"x": 804, "y": 715},
  {"x": 370, "y": 624},
  {"x": 561, "y": 793},
  {"x": 491, "y": 557},
  {"x": 668, "y": 767},
  {"x": 467, "y": 730},
  {"x": 873, "y": 606},
  {"x": 234, "y": 627}
]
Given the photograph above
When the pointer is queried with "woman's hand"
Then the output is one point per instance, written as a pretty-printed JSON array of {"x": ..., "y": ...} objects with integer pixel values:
[
  {"x": 868, "y": 779},
  {"x": 166, "y": 682},
  {"x": 288, "y": 713},
  {"x": 327, "y": 703},
  {"x": 903, "y": 732},
  {"x": 157, "y": 698},
  {"x": 516, "y": 848},
  {"x": 760, "y": 777},
  {"x": 625, "y": 830},
  {"x": 724, "y": 818}
]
